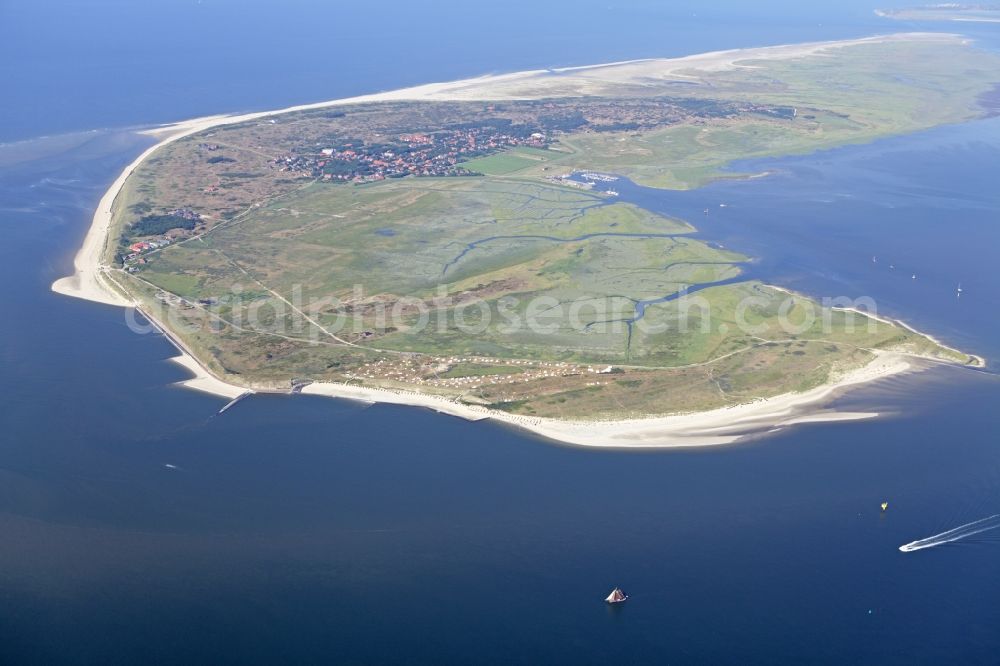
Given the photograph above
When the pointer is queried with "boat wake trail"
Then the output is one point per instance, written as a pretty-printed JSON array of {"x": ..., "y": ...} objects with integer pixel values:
[{"x": 960, "y": 532}]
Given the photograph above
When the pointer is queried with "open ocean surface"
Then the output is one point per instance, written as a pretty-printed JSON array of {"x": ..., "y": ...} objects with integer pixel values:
[{"x": 298, "y": 530}]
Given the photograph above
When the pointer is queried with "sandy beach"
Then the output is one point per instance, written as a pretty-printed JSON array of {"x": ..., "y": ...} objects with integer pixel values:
[
  {"x": 91, "y": 280},
  {"x": 725, "y": 425}
]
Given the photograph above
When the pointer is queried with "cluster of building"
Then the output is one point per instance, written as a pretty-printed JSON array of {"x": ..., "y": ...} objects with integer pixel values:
[
  {"x": 404, "y": 370},
  {"x": 134, "y": 259},
  {"x": 145, "y": 246},
  {"x": 185, "y": 214},
  {"x": 438, "y": 154},
  {"x": 442, "y": 152},
  {"x": 159, "y": 234}
]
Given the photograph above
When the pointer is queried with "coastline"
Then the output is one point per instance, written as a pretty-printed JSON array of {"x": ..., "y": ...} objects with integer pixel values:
[
  {"x": 91, "y": 278},
  {"x": 916, "y": 15},
  {"x": 977, "y": 361},
  {"x": 724, "y": 425}
]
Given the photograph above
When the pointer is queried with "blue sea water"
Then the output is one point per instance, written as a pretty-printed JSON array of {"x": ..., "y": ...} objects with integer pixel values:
[{"x": 138, "y": 526}]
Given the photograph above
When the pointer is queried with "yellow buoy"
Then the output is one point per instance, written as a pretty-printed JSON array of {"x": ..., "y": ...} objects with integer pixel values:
[{"x": 885, "y": 505}]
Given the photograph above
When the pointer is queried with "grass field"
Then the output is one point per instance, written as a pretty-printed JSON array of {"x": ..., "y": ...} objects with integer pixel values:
[
  {"x": 853, "y": 95},
  {"x": 511, "y": 161}
]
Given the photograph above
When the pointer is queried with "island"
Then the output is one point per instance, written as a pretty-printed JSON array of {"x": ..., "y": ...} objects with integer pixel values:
[
  {"x": 946, "y": 11},
  {"x": 462, "y": 246}
]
